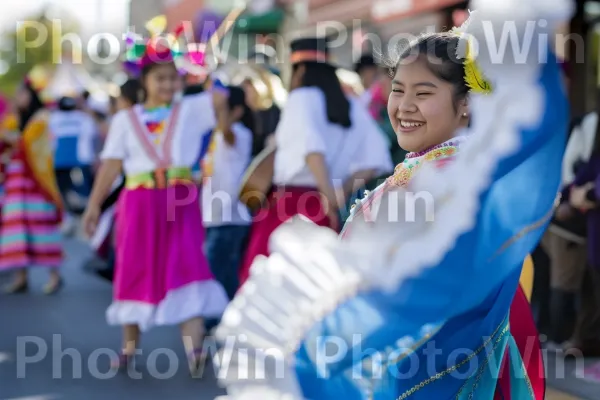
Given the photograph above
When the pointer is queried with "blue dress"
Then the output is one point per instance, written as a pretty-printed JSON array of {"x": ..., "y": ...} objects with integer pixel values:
[
  {"x": 443, "y": 333},
  {"x": 402, "y": 310}
]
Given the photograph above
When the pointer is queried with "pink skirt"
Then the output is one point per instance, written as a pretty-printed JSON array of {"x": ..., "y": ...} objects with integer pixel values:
[{"x": 162, "y": 276}]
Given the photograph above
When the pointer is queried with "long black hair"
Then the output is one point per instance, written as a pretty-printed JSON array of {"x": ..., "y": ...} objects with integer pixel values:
[
  {"x": 439, "y": 51},
  {"x": 324, "y": 77},
  {"x": 35, "y": 104},
  {"x": 237, "y": 98}
]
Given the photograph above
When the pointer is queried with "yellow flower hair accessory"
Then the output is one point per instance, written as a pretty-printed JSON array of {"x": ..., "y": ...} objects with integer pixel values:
[{"x": 474, "y": 78}]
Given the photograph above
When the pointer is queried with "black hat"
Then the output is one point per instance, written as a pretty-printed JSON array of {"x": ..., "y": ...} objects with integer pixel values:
[
  {"x": 310, "y": 50},
  {"x": 67, "y": 103},
  {"x": 366, "y": 61}
]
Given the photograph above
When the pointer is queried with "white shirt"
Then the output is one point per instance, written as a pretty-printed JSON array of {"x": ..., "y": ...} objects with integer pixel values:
[
  {"x": 220, "y": 192},
  {"x": 196, "y": 116},
  {"x": 304, "y": 129},
  {"x": 579, "y": 147},
  {"x": 79, "y": 126},
  {"x": 366, "y": 97}
]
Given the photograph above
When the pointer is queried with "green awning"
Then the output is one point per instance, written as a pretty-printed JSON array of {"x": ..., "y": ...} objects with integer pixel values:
[{"x": 266, "y": 23}]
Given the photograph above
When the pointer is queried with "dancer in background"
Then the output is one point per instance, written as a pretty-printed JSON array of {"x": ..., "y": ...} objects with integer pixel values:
[
  {"x": 324, "y": 142},
  {"x": 226, "y": 219},
  {"x": 74, "y": 133},
  {"x": 368, "y": 70},
  {"x": 162, "y": 275},
  {"x": 32, "y": 210}
]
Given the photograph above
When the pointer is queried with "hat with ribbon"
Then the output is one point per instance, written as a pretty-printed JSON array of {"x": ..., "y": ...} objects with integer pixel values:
[
  {"x": 312, "y": 49},
  {"x": 160, "y": 47}
]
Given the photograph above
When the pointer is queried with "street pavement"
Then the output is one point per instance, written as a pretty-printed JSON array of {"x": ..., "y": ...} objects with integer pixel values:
[
  {"x": 40, "y": 336},
  {"x": 59, "y": 348}
]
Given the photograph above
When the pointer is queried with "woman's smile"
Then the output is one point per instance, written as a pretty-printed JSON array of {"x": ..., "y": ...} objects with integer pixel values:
[{"x": 409, "y": 125}]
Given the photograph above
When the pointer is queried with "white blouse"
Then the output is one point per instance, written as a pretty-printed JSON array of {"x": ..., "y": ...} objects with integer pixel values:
[
  {"x": 196, "y": 117},
  {"x": 304, "y": 129},
  {"x": 220, "y": 192}
]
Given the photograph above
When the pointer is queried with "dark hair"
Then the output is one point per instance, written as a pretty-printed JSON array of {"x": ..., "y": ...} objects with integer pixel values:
[
  {"x": 34, "y": 106},
  {"x": 131, "y": 90},
  {"x": 324, "y": 77},
  {"x": 237, "y": 98},
  {"x": 191, "y": 90},
  {"x": 438, "y": 50},
  {"x": 366, "y": 61},
  {"x": 67, "y": 104}
]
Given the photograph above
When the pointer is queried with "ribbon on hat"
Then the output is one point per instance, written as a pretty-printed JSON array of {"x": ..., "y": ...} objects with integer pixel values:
[
  {"x": 159, "y": 47},
  {"x": 474, "y": 77}
]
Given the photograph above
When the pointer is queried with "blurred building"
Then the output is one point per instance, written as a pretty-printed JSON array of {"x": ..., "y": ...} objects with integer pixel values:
[
  {"x": 141, "y": 11},
  {"x": 357, "y": 25}
]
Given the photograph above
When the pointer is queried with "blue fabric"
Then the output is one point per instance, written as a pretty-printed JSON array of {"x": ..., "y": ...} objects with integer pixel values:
[
  {"x": 224, "y": 247},
  {"x": 206, "y": 138},
  {"x": 468, "y": 293},
  {"x": 65, "y": 155}
]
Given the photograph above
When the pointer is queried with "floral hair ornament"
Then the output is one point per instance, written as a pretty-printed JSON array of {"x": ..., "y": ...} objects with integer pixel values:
[
  {"x": 159, "y": 47},
  {"x": 474, "y": 77}
]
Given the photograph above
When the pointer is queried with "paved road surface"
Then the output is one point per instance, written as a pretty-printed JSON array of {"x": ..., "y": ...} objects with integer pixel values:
[
  {"x": 72, "y": 325},
  {"x": 74, "y": 319}
]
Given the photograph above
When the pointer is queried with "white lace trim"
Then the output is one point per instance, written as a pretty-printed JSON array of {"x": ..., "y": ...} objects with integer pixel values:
[{"x": 311, "y": 272}]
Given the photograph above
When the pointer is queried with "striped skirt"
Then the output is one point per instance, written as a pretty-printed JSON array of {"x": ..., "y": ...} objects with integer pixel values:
[{"x": 30, "y": 224}]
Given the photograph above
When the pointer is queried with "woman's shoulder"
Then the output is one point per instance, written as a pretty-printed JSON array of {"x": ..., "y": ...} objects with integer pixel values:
[{"x": 306, "y": 95}]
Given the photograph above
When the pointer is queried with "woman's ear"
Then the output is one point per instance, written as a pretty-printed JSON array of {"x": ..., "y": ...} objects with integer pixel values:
[{"x": 464, "y": 107}]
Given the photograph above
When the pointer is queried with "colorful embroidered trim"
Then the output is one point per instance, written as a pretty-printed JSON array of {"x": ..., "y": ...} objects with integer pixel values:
[{"x": 159, "y": 179}]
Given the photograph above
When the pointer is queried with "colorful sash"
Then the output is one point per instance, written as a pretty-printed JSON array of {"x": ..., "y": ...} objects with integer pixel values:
[{"x": 163, "y": 161}]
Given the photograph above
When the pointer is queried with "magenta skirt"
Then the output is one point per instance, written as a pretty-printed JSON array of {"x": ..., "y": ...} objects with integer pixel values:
[{"x": 162, "y": 276}]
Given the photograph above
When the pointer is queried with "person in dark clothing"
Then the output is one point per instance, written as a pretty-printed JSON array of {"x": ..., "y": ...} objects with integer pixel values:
[
  {"x": 582, "y": 199},
  {"x": 561, "y": 262}
]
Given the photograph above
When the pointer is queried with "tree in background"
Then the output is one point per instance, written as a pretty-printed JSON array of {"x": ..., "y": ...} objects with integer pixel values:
[{"x": 35, "y": 41}]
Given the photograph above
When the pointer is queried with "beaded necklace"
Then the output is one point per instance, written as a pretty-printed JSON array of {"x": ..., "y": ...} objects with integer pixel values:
[{"x": 404, "y": 171}]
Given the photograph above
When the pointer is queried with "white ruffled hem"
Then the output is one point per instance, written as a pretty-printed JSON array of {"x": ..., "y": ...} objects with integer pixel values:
[{"x": 206, "y": 299}]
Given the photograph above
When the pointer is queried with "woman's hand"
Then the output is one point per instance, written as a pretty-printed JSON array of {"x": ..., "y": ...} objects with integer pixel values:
[
  {"x": 578, "y": 197},
  {"x": 90, "y": 219},
  {"x": 329, "y": 205}
]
